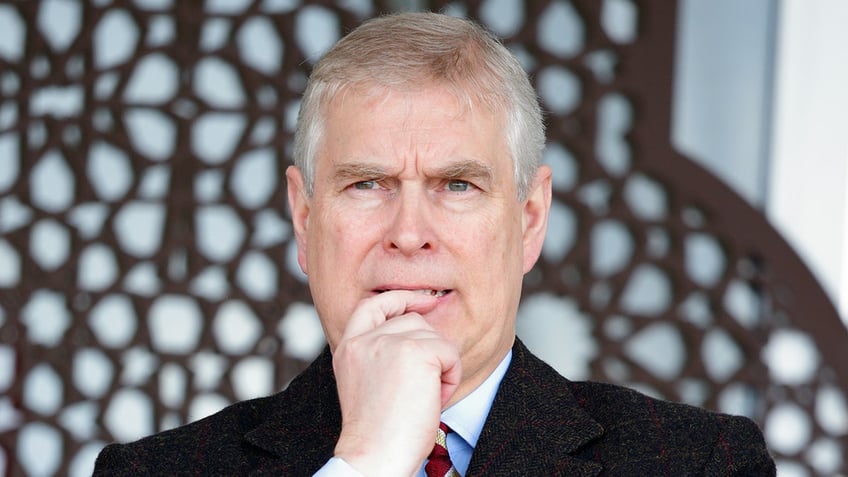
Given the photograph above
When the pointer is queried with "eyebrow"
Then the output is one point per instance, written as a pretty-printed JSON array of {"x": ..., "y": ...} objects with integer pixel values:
[
  {"x": 465, "y": 168},
  {"x": 359, "y": 170}
]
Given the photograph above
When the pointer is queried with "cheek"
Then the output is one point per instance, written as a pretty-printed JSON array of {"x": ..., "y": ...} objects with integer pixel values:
[
  {"x": 334, "y": 232},
  {"x": 337, "y": 255},
  {"x": 492, "y": 249},
  {"x": 502, "y": 235}
]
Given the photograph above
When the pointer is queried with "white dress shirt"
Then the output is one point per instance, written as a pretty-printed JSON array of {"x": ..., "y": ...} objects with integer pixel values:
[{"x": 466, "y": 418}]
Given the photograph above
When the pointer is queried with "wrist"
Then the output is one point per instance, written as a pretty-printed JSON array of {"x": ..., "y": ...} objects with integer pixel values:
[{"x": 375, "y": 462}]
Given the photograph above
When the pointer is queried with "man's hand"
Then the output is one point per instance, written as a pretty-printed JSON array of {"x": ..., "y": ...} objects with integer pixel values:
[{"x": 394, "y": 374}]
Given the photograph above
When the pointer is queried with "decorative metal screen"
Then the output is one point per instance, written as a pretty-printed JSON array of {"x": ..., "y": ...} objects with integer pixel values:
[{"x": 147, "y": 272}]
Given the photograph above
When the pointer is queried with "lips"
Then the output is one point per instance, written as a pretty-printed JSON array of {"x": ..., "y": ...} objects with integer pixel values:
[{"x": 423, "y": 291}]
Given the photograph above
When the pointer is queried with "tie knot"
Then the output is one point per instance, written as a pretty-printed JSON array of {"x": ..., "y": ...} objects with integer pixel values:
[
  {"x": 442, "y": 434},
  {"x": 439, "y": 463}
]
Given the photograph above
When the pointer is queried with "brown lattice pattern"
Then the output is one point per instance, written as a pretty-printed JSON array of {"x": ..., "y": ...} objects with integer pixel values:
[{"x": 146, "y": 263}]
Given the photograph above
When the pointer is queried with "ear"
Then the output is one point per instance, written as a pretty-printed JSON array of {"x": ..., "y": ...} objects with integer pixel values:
[
  {"x": 299, "y": 207},
  {"x": 535, "y": 216}
]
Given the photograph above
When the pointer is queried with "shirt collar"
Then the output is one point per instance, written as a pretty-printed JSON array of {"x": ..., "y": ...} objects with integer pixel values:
[{"x": 467, "y": 417}]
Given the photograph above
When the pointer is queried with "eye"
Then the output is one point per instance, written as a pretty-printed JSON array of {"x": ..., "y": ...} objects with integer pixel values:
[
  {"x": 365, "y": 185},
  {"x": 456, "y": 185}
]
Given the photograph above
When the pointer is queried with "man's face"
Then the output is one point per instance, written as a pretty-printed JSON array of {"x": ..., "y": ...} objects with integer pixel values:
[{"x": 413, "y": 191}]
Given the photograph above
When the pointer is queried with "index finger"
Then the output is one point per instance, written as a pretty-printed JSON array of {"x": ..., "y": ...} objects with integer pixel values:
[{"x": 373, "y": 312}]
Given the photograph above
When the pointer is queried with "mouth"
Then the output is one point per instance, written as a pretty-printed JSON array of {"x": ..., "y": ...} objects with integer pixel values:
[{"x": 423, "y": 291}]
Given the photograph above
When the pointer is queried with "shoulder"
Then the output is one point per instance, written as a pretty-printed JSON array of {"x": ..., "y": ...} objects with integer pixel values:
[
  {"x": 245, "y": 435},
  {"x": 619, "y": 405},
  {"x": 637, "y": 434},
  {"x": 676, "y": 436},
  {"x": 211, "y": 440}
]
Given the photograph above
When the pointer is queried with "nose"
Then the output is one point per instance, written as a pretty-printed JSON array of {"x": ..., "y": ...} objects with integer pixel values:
[{"x": 410, "y": 229}]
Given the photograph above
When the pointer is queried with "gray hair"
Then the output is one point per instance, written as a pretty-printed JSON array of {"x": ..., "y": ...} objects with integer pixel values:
[{"x": 403, "y": 51}]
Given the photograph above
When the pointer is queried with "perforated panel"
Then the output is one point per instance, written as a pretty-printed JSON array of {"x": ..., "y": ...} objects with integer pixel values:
[{"x": 147, "y": 272}]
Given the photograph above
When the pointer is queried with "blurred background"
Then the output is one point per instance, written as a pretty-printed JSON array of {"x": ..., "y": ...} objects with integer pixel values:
[{"x": 697, "y": 249}]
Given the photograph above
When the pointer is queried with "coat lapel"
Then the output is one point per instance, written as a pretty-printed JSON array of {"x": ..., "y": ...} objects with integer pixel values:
[
  {"x": 535, "y": 425},
  {"x": 303, "y": 429}
]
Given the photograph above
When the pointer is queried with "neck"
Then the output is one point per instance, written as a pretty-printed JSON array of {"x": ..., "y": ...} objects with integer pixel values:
[{"x": 471, "y": 382}]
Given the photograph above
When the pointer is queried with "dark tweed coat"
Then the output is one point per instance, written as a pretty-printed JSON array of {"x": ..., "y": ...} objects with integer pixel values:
[{"x": 541, "y": 424}]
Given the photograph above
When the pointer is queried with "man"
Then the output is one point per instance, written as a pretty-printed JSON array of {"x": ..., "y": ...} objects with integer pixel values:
[{"x": 418, "y": 204}]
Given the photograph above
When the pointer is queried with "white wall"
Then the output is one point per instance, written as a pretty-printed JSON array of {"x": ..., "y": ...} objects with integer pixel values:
[
  {"x": 807, "y": 198},
  {"x": 761, "y": 100},
  {"x": 722, "y": 89}
]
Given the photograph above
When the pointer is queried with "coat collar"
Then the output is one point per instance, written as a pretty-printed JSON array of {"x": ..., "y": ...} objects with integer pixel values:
[
  {"x": 302, "y": 429},
  {"x": 535, "y": 423}
]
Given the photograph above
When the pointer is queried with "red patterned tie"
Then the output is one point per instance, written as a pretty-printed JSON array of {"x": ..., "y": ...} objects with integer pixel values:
[{"x": 439, "y": 463}]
